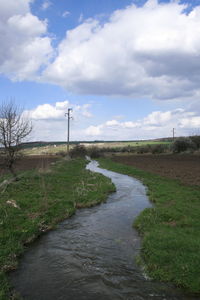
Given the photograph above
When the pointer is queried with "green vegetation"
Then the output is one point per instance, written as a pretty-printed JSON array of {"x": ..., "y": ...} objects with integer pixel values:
[
  {"x": 170, "y": 229},
  {"x": 38, "y": 201},
  {"x": 78, "y": 151},
  {"x": 164, "y": 145},
  {"x": 61, "y": 148},
  {"x": 186, "y": 144}
]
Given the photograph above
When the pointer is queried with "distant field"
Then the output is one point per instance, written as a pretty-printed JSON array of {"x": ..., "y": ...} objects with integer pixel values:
[
  {"x": 124, "y": 144},
  {"x": 49, "y": 149},
  {"x": 57, "y": 148}
]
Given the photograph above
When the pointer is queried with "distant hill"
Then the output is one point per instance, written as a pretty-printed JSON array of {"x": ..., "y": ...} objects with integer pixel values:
[{"x": 43, "y": 143}]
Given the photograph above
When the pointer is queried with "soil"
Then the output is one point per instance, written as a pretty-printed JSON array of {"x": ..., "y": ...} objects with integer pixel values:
[
  {"x": 31, "y": 162},
  {"x": 186, "y": 168}
]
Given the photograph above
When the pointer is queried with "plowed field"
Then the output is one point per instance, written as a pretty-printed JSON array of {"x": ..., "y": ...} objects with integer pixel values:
[
  {"x": 186, "y": 168},
  {"x": 31, "y": 162}
]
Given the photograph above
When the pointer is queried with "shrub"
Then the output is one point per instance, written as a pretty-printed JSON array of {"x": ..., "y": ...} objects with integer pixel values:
[
  {"x": 78, "y": 151},
  {"x": 183, "y": 144},
  {"x": 128, "y": 148},
  {"x": 94, "y": 152},
  {"x": 61, "y": 153},
  {"x": 160, "y": 148},
  {"x": 196, "y": 140},
  {"x": 144, "y": 149}
]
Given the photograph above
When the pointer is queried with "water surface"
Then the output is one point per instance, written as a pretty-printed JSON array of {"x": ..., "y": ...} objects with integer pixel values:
[{"x": 91, "y": 256}]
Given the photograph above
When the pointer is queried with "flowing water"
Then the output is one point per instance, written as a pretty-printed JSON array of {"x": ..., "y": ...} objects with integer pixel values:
[{"x": 91, "y": 256}]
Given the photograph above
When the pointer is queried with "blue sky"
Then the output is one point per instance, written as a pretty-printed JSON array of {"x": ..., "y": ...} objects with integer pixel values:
[{"x": 129, "y": 69}]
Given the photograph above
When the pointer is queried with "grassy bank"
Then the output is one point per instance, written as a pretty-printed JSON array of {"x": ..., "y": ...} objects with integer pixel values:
[
  {"x": 170, "y": 230},
  {"x": 38, "y": 201}
]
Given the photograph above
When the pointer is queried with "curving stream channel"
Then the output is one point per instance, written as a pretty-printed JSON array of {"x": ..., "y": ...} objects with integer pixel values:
[{"x": 91, "y": 255}]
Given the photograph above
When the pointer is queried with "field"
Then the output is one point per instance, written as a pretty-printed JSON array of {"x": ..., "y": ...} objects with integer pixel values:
[
  {"x": 31, "y": 162},
  {"x": 46, "y": 150},
  {"x": 53, "y": 149},
  {"x": 170, "y": 229},
  {"x": 125, "y": 144},
  {"x": 185, "y": 168}
]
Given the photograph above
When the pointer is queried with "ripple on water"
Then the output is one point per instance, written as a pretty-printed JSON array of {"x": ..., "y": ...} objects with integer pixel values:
[{"x": 91, "y": 256}]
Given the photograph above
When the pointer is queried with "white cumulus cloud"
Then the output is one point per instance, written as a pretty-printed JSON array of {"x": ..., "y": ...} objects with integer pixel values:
[
  {"x": 57, "y": 111},
  {"x": 25, "y": 47},
  {"x": 144, "y": 51},
  {"x": 50, "y": 121},
  {"x": 149, "y": 51},
  {"x": 155, "y": 125}
]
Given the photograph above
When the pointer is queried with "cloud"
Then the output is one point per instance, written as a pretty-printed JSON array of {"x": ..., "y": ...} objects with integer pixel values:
[
  {"x": 155, "y": 125},
  {"x": 25, "y": 47},
  {"x": 66, "y": 14},
  {"x": 57, "y": 111},
  {"x": 150, "y": 51},
  {"x": 81, "y": 18},
  {"x": 50, "y": 122},
  {"x": 158, "y": 118},
  {"x": 53, "y": 122},
  {"x": 46, "y": 5},
  {"x": 93, "y": 131}
]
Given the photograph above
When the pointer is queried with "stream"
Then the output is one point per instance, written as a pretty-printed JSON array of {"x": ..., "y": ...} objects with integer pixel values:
[{"x": 91, "y": 256}]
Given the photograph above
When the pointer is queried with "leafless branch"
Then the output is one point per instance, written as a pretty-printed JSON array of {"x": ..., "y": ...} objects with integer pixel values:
[{"x": 13, "y": 129}]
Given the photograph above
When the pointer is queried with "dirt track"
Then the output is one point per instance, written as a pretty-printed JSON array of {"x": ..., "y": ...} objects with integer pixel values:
[{"x": 186, "y": 168}]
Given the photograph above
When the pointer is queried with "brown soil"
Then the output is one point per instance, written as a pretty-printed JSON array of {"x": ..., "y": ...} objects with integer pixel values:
[
  {"x": 186, "y": 168},
  {"x": 31, "y": 162}
]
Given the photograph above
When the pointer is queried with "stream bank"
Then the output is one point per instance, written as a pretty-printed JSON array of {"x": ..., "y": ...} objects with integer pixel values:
[{"x": 92, "y": 254}]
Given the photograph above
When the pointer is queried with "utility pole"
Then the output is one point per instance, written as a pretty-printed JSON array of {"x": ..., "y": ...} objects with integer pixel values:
[
  {"x": 68, "y": 127},
  {"x": 173, "y": 133}
]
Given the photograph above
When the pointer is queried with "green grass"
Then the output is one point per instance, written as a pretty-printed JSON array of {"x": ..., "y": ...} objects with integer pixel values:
[
  {"x": 170, "y": 229},
  {"x": 43, "y": 199},
  {"x": 51, "y": 150}
]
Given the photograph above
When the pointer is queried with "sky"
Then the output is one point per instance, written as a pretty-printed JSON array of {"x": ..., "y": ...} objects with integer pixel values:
[{"x": 129, "y": 69}]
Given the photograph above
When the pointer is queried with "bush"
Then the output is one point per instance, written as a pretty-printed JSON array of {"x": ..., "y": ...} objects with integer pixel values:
[
  {"x": 144, "y": 149},
  {"x": 128, "y": 148},
  {"x": 196, "y": 140},
  {"x": 183, "y": 144},
  {"x": 94, "y": 152},
  {"x": 78, "y": 151},
  {"x": 61, "y": 153},
  {"x": 158, "y": 149}
]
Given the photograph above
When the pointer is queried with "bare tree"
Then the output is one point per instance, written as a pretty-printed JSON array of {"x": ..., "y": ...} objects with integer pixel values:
[{"x": 13, "y": 129}]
